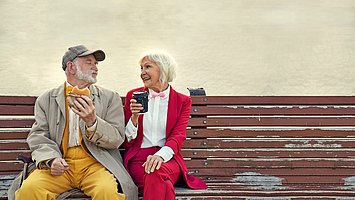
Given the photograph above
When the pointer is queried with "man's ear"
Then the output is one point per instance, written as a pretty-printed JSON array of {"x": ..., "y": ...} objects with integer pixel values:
[{"x": 71, "y": 67}]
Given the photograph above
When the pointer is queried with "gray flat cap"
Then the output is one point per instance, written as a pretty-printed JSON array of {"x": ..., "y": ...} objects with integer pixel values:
[{"x": 78, "y": 51}]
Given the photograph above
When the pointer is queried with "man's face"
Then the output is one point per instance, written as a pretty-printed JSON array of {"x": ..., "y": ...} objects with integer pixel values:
[{"x": 87, "y": 69}]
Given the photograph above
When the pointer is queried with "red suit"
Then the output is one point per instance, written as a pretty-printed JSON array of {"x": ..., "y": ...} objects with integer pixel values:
[{"x": 179, "y": 108}]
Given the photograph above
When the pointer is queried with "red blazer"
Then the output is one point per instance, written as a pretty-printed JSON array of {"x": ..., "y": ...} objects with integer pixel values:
[{"x": 178, "y": 117}]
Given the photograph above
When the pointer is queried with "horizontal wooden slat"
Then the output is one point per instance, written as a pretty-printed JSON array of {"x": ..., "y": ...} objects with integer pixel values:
[
  {"x": 9, "y": 166},
  {"x": 291, "y": 176},
  {"x": 271, "y": 143},
  {"x": 268, "y": 133},
  {"x": 240, "y": 161},
  {"x": 17, "y": 100},
  {"x": 230, "y": 133},
  {"x": 25, "y": 100},
  {"x": 11, "y": 135},
  {"x": 272, "y": 121},
  {"x": 272, "y": 110},
  {"x": 16, "y": 123},
  {"x": 286, "y": 186},
  {"x": 273, "y": 100},
  {"x": 5, "y": 173},
  {"x": 290, "y": 164},
  {"x": 13, "y": 154},
  {"x": 16, "y": 110},
  {"x": 287, "y": 178},
  {"x": 16, "y": 144},
  {"x": 286, "y": 191},
  {"x": 268, "y": 153}
]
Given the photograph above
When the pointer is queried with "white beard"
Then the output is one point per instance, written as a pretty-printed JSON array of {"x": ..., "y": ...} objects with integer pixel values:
[{"x": 85, "y": 77}]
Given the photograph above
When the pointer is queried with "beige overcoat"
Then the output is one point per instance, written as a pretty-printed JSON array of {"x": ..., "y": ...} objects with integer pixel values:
[{"x": 46, "y": 134}]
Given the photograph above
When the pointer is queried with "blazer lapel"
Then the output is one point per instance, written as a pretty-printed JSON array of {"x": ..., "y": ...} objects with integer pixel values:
[
  {"x": 59, "y": 97},
  {"x": 58, "y": 94},
  {"x": 172, "y": 111}
]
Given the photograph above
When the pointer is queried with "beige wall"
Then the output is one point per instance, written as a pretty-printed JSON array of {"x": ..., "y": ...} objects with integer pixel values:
[{"x": 229, "y": 47}]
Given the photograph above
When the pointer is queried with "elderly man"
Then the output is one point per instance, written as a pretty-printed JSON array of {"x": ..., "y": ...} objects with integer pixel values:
[{"x": 77, "y": 146}]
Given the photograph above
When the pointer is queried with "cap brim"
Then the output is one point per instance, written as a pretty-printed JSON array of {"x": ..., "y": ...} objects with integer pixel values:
[{"x": 98, "y": 54}]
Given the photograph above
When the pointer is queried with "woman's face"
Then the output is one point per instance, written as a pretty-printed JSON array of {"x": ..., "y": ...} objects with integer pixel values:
[{"x": 150, "y": 73}]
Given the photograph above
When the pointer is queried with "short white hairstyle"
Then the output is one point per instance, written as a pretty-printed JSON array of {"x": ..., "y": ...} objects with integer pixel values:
[{"x": 165, "y": 62}]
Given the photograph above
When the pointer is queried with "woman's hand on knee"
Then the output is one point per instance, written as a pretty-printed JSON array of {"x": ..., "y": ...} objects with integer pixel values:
[
  {"x": 153, "y": 163},
  {"x": 58, "y": 166}
]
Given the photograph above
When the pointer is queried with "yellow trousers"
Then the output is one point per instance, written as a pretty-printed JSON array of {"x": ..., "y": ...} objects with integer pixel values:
[{"x": 84, "y": 173}]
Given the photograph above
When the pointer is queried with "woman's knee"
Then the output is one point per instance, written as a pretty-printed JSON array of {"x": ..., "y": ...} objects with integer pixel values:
[
  {"x": 161, "y": 176},
  {"x": 154, "y": 177}
]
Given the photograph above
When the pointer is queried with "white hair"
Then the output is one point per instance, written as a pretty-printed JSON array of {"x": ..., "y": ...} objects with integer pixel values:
[{"x": 165, "y": 62}]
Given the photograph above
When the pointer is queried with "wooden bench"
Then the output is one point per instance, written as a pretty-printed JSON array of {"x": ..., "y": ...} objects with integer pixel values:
[{"x": 244, "y": 147}]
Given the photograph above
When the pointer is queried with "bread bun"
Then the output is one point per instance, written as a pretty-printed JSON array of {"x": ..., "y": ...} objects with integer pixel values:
[
  {"x": 85, "y": 91},
  {"x": 77, "y": 92}
]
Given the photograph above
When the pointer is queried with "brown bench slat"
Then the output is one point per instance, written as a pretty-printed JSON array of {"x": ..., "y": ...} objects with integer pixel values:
[
  {"x": 288, "y": 186},
  {"x": 270, "y": 143},
  {"x": 12, "y": 155},
  {"x": 14, "y": 166},
  {"x": 273, "y": 163},
  {"x": 9, "y": 145},
  {"x": 285, "y": 187},
  {"x": 272, "y": 121},
  {"x": 17, "y": 100},
  {"x": 210, "y": 153},
  {"x": 326, "y": 173},
  {"x": 273, "y": 100},
  {"x": 263, "y": 178},
  {"x": 274, "y": 110},
  {"x": 267, "y": 153},
  {"x": 255, "y": 162},
  {"x": 8, "y": 135},
  {"x": 307, "y": 133},
  {"x": 16, "y": 110},
  {"x": 8, "y": 173},
  {"x": 16, "y": 123},
  {"x": 282, "y": 193}
]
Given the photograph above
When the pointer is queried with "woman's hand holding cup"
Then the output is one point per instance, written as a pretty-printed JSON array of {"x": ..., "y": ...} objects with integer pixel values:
[{"x": 135, "y": 109}]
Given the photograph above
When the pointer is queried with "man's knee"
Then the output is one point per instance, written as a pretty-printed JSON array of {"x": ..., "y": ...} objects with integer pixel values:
[
  {"x": 30, "y": 190},
  {"x": 104, "y": 190},
  {"x": 28, "y": 186}
]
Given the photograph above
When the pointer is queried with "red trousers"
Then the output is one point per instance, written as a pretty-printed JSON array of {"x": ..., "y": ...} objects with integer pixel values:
[{"x": 159, "y": 184}]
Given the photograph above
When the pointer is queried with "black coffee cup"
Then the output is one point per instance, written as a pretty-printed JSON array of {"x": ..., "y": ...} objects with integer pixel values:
[{"x": 142, "y": 98}]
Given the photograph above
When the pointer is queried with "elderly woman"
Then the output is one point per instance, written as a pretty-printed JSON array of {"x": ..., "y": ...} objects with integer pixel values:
[{"x": 155, "y": 138}]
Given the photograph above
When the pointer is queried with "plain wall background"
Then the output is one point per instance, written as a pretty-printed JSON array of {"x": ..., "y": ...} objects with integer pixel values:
[{"x": 228, "y": 47}]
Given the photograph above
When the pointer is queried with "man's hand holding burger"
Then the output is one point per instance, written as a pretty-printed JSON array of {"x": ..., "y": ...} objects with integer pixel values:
[{"x": 82, "y": 105}]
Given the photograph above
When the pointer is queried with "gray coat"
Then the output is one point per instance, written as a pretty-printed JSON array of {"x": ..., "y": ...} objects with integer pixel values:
[{"x": 46, "y": 134}]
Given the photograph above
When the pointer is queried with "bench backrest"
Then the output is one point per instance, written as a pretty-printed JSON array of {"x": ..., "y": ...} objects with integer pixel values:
[
  {"x": 263, "y": 142},
  {"x": 273, "y": 142}
]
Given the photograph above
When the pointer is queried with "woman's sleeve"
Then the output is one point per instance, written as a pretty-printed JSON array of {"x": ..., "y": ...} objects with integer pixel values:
[{"x": 131, "y": 131}]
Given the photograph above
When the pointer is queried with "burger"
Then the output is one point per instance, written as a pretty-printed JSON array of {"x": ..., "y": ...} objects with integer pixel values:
[{"x": 77, "y": 92}]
